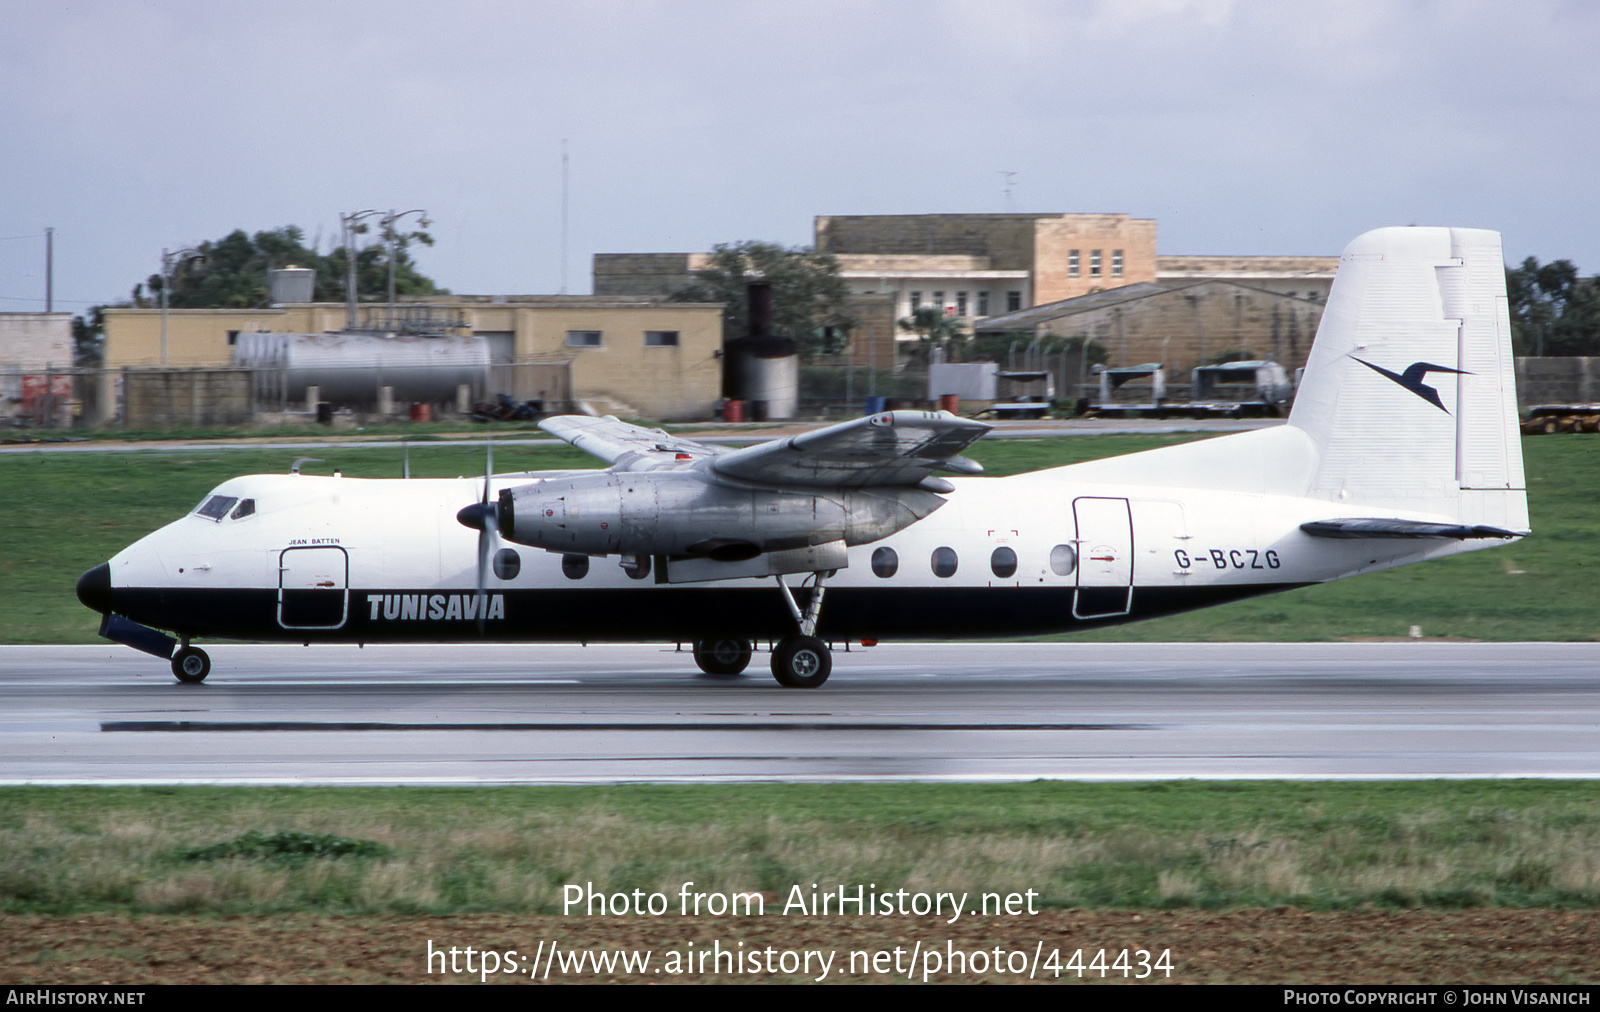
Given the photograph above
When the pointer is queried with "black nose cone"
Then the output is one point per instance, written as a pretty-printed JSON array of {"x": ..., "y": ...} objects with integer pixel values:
[{"x": 94, "y": 588}]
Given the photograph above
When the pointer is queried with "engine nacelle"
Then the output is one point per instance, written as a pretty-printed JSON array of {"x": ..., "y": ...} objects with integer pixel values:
[{"x": 685, "y": 513}]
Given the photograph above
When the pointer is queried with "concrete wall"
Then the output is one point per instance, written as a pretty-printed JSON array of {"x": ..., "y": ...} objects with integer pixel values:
[
  {"x": 36, "y": 340},
  {"x": 1551, "y": 380},
  {"x": 159, "y": 398}
]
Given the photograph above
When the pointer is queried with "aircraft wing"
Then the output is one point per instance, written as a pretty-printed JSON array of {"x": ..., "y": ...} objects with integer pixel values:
[
  {"x": 624, "y": 446},
  {"x": 890, "y": 448}
]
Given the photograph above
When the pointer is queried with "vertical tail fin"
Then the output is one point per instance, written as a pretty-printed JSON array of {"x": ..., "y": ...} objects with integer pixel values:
[{"x": 1409, "y": 392}]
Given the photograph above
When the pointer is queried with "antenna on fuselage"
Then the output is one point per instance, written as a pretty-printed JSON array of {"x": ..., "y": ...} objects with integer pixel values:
[{"x": 295, "y": 467}]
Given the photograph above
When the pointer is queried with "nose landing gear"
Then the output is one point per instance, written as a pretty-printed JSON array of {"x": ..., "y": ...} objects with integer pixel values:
[{"x": 191, "y": 664}]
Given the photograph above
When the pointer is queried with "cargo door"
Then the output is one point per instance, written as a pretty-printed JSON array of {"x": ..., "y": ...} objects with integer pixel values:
[{"x": 312, "y": 587}]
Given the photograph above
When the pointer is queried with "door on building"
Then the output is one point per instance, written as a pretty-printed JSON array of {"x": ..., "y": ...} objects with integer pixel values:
[{"x": 1105, "y": 557}]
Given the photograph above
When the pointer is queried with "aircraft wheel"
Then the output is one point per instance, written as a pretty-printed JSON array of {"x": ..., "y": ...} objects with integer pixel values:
[
  {"x": 801, "y": 662},
  {"x": 723, "y": 657},
  {"x": 191, "y": 665}
]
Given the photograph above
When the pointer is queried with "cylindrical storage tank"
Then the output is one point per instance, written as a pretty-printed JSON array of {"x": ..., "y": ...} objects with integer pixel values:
[
  {"x": 766, "y": 369},
  {"x": 292, "y": 284},
  {"x": 350, "y": 368}
]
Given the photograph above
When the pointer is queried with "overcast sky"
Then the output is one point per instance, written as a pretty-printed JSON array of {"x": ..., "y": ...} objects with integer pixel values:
[{"x": 1241, "y": 127}]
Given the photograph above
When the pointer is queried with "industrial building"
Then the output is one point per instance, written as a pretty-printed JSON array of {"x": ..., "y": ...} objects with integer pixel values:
[{"x": 630, "y": 356}]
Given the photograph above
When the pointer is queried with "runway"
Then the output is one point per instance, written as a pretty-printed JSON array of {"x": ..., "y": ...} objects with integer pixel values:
[{"x": 994, "y": 711}]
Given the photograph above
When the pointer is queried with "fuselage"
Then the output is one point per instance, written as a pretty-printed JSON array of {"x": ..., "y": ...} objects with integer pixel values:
[{"x": 344, "y": 559}]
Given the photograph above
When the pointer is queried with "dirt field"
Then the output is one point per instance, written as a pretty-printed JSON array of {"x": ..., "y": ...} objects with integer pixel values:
[{"x": 1242, "y": 946}]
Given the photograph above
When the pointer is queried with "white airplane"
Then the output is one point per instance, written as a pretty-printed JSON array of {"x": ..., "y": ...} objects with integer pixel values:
[{"x": 1402, "y": 446}]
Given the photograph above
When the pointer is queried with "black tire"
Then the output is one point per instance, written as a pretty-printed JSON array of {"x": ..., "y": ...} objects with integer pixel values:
[
  {"x": 801, "y": 662},
  {"x": 191, "y": 665},
  {"x": 723, "y": 657}
]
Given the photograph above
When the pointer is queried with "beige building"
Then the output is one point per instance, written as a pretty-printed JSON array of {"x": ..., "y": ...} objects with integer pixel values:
[{"x": 635, "y": 356}]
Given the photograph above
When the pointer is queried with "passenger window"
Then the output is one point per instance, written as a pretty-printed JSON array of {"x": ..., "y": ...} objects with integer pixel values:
[
  {"x": 574, "y": 567},
  {"x": 1063, "y": 560},
  {"x": 217, "y": 507},
  {"x": 507, "y": 563},
  {"x": 246, "y": 507},
  {"x": 885, "y": 562},
  {"x": 944, "y": 562},
  {"x": 639, "y": 569},
  {"x": 1003, "y": 562}
]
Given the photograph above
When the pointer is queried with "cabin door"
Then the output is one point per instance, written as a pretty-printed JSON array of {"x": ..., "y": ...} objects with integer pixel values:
[{"x": 1105, "y": 557}]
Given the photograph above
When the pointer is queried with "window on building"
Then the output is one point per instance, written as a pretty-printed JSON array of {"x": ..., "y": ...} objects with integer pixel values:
[
  {"x": 938, "y": 299},
  {"x": 1116, "y": 263},
  {"x": 916, "y": 300},
  {"x": 1072, "y": 263},
  {"x": 983, "y": 303},
  {"x": 961, "y": 303},
  {"x": 1094, "y": 263},
  {"x": 1013, "y": 301},
  {"x": 661, "y": 339},
  {"x": 583, "y": 339}
]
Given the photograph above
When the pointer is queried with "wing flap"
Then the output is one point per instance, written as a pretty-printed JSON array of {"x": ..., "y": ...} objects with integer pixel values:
[
  {"x": 890, "y": 448},
  {"x": 627, "y": 447}
]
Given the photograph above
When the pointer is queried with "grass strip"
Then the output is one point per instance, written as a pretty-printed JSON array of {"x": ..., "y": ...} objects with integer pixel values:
[{"x": 1170, "y": 844}]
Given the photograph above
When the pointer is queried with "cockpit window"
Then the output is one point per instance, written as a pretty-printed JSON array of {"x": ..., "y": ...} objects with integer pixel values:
[
  {"x": 217, "y": 507},
  {"x": 246, "y": 507}
]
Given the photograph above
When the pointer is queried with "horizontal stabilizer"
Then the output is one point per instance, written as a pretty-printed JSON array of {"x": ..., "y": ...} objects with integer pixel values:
[{"x": 1381, "y": 528}]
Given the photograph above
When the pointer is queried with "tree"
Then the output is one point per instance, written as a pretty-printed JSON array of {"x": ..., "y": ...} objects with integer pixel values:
[
  {"x": 89, "y": 338},
  {"x": 1553, "y": 311},
  {"x": 808, "y": 296},
  {"x": 936, "y": 330},
  {"x": 231, "y": 272}
]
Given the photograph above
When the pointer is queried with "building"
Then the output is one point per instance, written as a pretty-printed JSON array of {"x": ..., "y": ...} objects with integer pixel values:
[
  {"x": 979, "y": 267},
  {"x": 631, "y": 356},
  {"x": 1180, "y": 324},
  {"x": 36, "y": 382}
]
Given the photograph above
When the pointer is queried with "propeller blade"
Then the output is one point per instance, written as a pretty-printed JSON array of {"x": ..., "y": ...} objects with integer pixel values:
[{"x": 488, "y": 516}]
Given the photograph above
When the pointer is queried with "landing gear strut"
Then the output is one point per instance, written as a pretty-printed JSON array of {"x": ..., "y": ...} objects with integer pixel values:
[
  {"x": 723, "y": 657},
  {"x": 191, "y": 664},
  {"x": 803, "y": 661}
]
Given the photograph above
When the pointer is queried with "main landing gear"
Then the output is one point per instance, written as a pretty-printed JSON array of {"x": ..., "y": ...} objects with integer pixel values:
[
  {"x": 723, "y": 657},
  {"x": 803, "y": 661},
  {"x": 191, "y": 664}
]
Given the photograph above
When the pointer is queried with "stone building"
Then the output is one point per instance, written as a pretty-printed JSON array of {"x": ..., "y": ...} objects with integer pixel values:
[
  {"x": 1181, "y": 324},
  {"x": 978, "y": 267}
]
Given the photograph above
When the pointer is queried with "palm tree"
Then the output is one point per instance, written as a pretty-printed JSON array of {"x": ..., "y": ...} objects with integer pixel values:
[{"x": 936, "y": 330}]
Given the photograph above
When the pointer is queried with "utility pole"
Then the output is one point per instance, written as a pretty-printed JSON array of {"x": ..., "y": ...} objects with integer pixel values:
[
  {"x": 347, "y": 226},
  {"x": 49, "y": 270}
]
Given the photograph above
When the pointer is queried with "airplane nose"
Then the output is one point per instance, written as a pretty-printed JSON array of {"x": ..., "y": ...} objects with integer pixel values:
[{"x": 94, "y": 588}]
